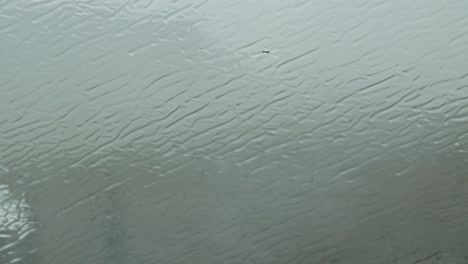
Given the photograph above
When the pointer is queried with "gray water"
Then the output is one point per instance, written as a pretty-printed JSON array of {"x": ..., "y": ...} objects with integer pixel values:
[{"x": 233, "y": 132}]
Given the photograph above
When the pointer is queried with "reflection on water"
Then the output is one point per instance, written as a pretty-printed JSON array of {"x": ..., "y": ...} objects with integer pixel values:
[
  {"x": 15, "y": 225},
  {"x": 233, "y": 132}
]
